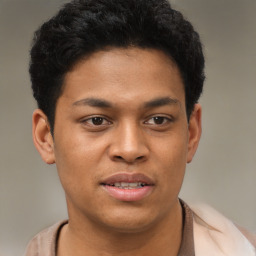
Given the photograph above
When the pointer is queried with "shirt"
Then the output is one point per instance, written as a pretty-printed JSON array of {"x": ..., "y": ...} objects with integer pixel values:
[{"x": 45, "y": 243}]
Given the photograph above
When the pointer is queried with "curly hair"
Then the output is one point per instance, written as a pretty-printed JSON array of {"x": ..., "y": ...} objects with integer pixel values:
[{"x": 83, "y": 27}]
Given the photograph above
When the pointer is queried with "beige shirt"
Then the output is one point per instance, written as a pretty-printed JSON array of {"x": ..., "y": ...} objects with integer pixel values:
[
  {"x": 45, "y": 243},
  {"x": 205, "y": 232}
]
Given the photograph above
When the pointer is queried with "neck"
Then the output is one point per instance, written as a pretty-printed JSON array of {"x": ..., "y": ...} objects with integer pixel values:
[{"x": 162, "y": 238}]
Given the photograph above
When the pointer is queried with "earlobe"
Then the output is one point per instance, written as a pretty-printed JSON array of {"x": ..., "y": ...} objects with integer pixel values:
[
  {"x": 42, "y": 136},
  {"x": 195, "y": 130}
]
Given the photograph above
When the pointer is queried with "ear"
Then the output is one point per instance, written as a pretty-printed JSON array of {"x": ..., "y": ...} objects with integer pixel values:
[
  {"x": 195, "y": 130},
  {"x": 42, "y": 136}
]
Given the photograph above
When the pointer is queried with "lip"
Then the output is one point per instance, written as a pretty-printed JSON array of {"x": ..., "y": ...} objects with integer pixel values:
[
  {"x": 128, "y": 195},
  {"x": 128, "y": 177}
]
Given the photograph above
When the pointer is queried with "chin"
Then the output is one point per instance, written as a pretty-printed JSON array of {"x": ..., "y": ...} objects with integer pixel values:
[{"x": 124, "y": 221}]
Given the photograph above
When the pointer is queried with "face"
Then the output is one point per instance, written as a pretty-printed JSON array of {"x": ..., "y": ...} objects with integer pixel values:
[{"x": 121, "y": 138}]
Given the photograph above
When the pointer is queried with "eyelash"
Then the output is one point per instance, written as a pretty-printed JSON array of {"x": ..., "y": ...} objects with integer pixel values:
[
  {"x": 165, "y": 120},
  {"x": 103, "y": 122},
  {"x": 94, "y": 118}
]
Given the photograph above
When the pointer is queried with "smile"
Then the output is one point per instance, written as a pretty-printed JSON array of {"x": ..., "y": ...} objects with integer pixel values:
[{"x": 128, "y": 187}]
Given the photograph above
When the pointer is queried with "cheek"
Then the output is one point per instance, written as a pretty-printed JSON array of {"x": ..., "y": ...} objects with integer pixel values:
[
  {"x": 172, "y": 157},
  {"x": 173, "y": 151},
  {"x": 76, "y": 173},
  {"x": 80, "y": 160},
  {"x": 74, "y": 161},
  {"x": 77, "y": 149}
]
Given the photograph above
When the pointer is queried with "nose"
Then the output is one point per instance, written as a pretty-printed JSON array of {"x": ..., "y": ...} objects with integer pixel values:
[{"x": 129, "y": 145}]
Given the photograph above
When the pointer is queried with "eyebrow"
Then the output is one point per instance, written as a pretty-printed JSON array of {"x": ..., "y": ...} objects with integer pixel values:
[
  {"x": 101, "y": 103},
  {"x": 163, "y": 101},
  {"x": 93, "y": 102}
]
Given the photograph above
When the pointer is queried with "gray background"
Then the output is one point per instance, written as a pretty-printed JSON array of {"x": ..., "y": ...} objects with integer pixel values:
[{"x": 223, "y": 171}]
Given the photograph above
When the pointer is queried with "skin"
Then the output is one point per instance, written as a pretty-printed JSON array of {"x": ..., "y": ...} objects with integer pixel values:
[{"x": 135, "y": 133}]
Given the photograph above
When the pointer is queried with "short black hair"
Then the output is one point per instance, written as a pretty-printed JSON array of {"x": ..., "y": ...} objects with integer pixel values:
[{"x": 83, "y": 27}]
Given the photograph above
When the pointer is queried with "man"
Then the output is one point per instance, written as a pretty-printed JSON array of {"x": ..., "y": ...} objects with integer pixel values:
[{"x": 117, "y": 84}]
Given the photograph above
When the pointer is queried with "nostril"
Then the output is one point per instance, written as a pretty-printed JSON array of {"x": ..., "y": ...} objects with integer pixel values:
[{"x": 127, "y": 159}]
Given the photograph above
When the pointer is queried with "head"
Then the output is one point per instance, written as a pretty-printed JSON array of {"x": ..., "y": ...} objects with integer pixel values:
[
  {"x": 117, "y": 82},
  {"x": 84, "y": 27}
]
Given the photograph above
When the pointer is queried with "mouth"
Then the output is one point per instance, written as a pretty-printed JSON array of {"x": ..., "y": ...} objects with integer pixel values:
[{"x": 128, "y": 187}]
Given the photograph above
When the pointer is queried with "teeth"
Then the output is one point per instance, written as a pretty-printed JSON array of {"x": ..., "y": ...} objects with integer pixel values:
[
  {"x": 124, "y": 184},
  {"x": 133, "y": 185},
  {"x": 128, "y": 185}
]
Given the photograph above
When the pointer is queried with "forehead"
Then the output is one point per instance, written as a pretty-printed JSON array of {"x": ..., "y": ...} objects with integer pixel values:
[{"x": 130, "y": 73}]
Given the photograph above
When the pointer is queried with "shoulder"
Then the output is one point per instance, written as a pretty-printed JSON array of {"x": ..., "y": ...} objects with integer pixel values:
[
  {"x": 249, "y": 235},
  {"x": 44, "y": 243},
  {"x": 214, "y": 232}
]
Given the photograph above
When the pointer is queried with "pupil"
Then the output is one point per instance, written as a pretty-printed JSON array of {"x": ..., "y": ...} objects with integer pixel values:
[
  {"x": 97, "y": 120},
  {"x": 159, "y": 120}
]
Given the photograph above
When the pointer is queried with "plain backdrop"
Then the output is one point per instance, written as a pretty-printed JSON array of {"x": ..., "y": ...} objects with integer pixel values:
[{"x": 223, "y": 173}]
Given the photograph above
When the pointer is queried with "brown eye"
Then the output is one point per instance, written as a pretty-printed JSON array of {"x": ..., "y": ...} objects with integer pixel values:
[
  {"x": 159, "y": 119},
  {"x": 97, "y": 120}
]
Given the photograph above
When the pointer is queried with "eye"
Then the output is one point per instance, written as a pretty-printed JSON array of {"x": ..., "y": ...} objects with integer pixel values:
[
  {"x": 96, "y": 121},
  {"x": 158, "y": 120}
]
